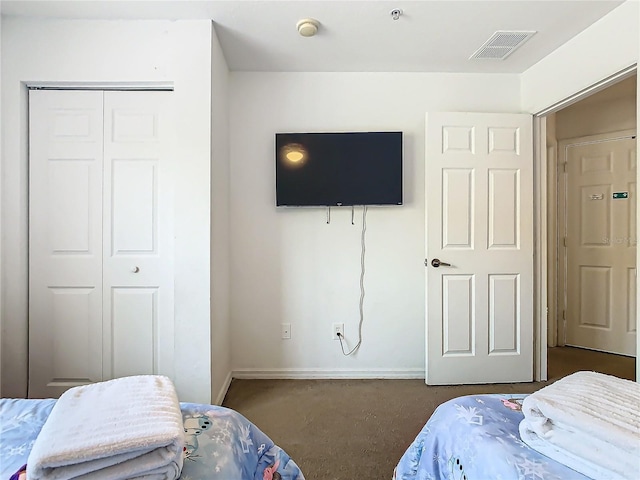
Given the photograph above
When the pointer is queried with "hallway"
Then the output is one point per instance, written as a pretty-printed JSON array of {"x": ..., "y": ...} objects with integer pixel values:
[{"x": 563, "y": 361}]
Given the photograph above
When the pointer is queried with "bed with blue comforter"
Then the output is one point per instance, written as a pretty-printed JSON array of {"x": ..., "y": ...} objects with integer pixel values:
[
  {"x": 476, "y": 437},
  {"x": 221, "y": 444}
]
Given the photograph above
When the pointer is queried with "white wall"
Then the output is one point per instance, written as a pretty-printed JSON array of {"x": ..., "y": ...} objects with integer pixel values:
[
  {"x": 600, "y": 113},
  {"x": 220, "y": 353},
  {"x": 1, "y": 156},
  {"x": 607, "y": 47},
  {"x": 288, "y": 265},
  {"x": 113, "y": 51}
]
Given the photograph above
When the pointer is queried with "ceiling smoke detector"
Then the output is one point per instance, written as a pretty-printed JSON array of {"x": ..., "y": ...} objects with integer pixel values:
[{"x": 307, "y": 27}]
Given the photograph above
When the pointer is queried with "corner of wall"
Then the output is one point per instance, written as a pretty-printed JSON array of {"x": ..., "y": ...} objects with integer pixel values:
[
  {"x": 219, "y": 397},
  {"x": 220, "y": 244},
  {"x": 574, "y": 67}
]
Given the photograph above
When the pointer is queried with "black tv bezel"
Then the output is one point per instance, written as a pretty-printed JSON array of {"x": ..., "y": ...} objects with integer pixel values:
[{"x": 341, "y": 204}]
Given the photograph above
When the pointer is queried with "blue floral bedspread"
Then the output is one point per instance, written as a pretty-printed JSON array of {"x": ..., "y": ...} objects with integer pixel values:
[
  {"x": 221, "y": 444},
  {"x": 476, "y": 438}
]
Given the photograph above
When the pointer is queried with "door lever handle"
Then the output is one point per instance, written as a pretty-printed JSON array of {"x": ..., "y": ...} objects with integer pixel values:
[{"x": 436, "y": 263}]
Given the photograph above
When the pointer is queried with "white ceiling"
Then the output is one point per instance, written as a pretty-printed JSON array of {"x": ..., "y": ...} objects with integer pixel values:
[{"x": 356, "y": 36}]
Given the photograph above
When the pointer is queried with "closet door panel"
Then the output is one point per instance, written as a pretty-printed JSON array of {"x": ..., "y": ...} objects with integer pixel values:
[
  {"x": 65, "y": 240},
  {"x": 134, "y": 197},
  {"x": 138, "y": 248},
  {"x": 135, "y": 327}
]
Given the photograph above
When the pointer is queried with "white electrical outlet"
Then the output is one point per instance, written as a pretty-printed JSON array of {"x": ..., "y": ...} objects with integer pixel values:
[
  {"x": 338, "y": 328},
  {"x": 286, "y": 330}
]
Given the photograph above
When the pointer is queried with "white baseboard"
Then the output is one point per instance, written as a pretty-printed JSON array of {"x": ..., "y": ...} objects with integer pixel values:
[
  {"x": 223, "y": 391},
  {"x": 314, "y": 373}
]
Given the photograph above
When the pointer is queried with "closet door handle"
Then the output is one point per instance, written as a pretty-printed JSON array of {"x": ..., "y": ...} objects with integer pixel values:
[{"x": 135, "y": 269}]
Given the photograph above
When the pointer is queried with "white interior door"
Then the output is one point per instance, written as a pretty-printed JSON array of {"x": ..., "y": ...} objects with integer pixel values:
[
  {"x": 138, "y": 240},
  {"x": 65, "y": 240},
  {"x": 601, "y": 246},
  {"x": 479, "y": 206},
  {"x": 101, "y": 238}
]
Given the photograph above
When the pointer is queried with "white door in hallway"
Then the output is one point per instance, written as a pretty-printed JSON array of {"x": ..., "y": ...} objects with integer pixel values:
[
  {"x": 479, "y": 221},
  {"x": 100, "y": 233},
  {"x": 601, "y": 245}
]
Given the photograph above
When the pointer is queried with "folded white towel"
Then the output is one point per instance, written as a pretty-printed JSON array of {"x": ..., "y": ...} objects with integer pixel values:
[
  {"x": 125, "y": 428},
  {"x": 588, "y": 421}
]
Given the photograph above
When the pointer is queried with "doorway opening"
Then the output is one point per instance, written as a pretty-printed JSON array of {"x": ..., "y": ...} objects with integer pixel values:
[{"x": 591, "y": 215}]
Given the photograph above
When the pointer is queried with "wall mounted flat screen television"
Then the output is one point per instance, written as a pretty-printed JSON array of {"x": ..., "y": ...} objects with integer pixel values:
[{"x": 338, "y": 169}]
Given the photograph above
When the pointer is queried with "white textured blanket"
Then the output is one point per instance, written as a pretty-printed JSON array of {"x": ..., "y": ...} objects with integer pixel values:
[
  {"x": 588, "y": 421},
  {"x": 126, "y": 428}
]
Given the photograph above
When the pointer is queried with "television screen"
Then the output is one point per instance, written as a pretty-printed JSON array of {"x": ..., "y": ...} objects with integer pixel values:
[{"x": 336, "y": 169}]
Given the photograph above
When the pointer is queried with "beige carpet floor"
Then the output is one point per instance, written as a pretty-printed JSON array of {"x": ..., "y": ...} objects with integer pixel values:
[{"x": 359, "y": 429}]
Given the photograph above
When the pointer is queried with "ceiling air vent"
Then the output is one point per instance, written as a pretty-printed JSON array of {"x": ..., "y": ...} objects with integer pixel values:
[{"x": 501, "y": 45}]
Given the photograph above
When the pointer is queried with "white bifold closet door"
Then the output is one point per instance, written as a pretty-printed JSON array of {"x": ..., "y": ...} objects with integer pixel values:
[{"x": 100, "y": 237}]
